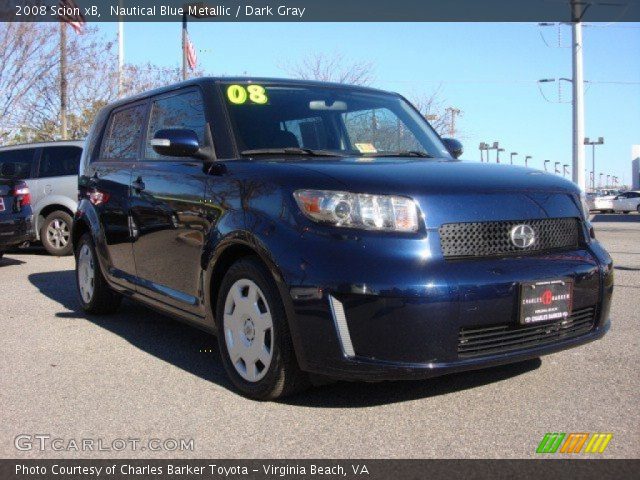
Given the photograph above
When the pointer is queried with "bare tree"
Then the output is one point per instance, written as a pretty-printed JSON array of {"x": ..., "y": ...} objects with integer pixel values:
[
  {"x": 330, "y": 68},
  {"x": 432, "y": 107},
  {"x": 91, "y": 79},
  {"x": 26, "y": 57}
]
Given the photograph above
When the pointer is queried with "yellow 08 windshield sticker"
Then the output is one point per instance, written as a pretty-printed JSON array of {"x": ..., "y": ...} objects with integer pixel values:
[{"x": 241, "y": 94}]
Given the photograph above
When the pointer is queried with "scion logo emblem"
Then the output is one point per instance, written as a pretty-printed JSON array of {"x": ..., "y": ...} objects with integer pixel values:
[{"x": 522, "y": 236}]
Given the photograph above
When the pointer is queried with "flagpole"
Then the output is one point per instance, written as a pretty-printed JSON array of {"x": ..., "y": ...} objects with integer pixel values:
[
  {"x": 63, "y": 80},
  {"x": 184, "y": 45}
]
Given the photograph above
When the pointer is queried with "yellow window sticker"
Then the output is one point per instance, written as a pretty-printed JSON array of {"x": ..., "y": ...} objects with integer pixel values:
[
  {"x": 240, "y": 94},
  {"x": 365, "y": 147}
]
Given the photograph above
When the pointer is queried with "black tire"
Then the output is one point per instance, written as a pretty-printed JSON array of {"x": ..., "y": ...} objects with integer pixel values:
[
  {"x": 638, "y": 209},
  {"x": 56, "y": 246},
  {"x": 103, "y": 299},
  {"x": 283, "y": 375},
  {"x": 1, "y": 255},
  {"x": 626, "y": 212}
]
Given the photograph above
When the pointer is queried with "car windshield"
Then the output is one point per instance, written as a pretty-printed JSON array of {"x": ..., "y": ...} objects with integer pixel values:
[{"x": 326, "y": 121}]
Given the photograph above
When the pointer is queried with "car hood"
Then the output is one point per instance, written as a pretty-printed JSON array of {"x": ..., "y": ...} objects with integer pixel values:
[
  {"x": 446, "y": 190},
  {"x": 417, "y": 175}
]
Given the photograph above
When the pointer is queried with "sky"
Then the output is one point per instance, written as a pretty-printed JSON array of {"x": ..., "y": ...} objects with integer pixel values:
[{"x": 487, "y": 70}]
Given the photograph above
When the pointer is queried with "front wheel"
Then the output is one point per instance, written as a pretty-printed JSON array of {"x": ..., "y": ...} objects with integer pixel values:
[
  {"x": 55, "y": 234},
  {"x": 95, "y": 295},
  {"x": 254, "y": 338}
]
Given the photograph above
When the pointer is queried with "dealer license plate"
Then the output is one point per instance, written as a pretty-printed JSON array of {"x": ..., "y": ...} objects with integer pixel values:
[{"x": 546, "y": 301}]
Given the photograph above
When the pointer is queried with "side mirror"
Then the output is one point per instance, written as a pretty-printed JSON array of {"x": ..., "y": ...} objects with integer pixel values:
[
  {"x": 176, "y": 142},
  {"x": 454, "y": 147}
]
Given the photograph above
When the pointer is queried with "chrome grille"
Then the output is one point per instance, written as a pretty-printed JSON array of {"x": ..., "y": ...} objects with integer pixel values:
[
  {"x": 489, "y": 239},
  {"x": 495, "y": 339}
]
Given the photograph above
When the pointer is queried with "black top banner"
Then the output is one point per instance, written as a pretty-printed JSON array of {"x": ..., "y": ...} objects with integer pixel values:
[{"x": 322, "y": 10}]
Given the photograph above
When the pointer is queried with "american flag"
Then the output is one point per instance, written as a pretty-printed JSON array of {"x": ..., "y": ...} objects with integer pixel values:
[
  {"x": 75, "y": 21},
  {"x": 192, "y": 58}
]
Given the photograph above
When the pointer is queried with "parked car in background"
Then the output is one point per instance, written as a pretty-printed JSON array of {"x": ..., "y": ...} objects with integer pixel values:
[
  {"x": 626, "y": 202},
  {"x": 601, "y": 201},
  {"x": 327, "y": 229},
  {"x": 51, "y": 172},
  {"x": 16, "y": 226}
]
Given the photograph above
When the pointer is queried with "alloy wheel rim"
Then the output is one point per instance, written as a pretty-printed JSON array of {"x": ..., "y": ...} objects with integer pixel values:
[
  {"x": 58, "y": 233},
  {"x": 86, "y": 273},
  {"x": 248, "y": 330}
]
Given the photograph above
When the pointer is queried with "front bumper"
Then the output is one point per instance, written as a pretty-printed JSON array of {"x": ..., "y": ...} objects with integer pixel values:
[{"x": 409, "y": 333}]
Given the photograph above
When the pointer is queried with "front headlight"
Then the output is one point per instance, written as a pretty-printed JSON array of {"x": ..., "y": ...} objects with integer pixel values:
[{"x": 359, "y": 210}]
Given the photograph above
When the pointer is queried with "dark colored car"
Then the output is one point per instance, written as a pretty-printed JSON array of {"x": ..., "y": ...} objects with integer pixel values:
[
  {"x": 15, "y": 213},
  {"x": 325, "y": 230}
]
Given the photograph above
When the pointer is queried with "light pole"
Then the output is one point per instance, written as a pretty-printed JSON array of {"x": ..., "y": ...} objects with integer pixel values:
[
  {"x": 608, "y": 177},
  {"x": 498, "y": 150},
  {"x": 482, "y": 147},
  {"x": 512, "y": 155},
  {"x": 593, "y": 144},
  {"x": 556, "y": 167},
  {"x": 526, "y": 160},
  {"x": 545, "y": 165},
  {"x": 564, "y": 169},
  {"x": 600, "y": 179}
]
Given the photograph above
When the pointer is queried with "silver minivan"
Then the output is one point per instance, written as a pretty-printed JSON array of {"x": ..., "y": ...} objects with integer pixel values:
[{"x": 50, "y": 169}]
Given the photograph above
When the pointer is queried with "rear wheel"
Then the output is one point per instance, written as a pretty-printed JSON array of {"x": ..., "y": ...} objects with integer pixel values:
[
  {"x": 254, "y": 338},
  {"x": 55, "y": 233},
  {"x": 95, "y": 295}
]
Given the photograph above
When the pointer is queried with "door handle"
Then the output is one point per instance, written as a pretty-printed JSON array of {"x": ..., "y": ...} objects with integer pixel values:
[{"x": 138, "y": 185}]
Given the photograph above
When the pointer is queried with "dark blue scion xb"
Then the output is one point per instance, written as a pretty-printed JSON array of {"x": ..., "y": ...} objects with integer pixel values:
[{"x": 324, "y": 230}]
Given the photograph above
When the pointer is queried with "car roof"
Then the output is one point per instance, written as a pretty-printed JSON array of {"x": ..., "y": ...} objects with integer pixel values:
[
  {"x": 265, "y": 80},
  {"x": 59, "y": 143}
]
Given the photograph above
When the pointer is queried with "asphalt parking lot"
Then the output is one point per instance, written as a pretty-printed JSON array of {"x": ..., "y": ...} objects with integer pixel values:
[{"x": 141, "y": 375}]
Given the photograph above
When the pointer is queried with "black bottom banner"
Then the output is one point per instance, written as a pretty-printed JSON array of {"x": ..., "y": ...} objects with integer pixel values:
[{"x": 321, "y": 469}]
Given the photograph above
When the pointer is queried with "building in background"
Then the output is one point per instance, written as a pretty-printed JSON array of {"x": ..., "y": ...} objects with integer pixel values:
[{"x": 635, "y": 167}]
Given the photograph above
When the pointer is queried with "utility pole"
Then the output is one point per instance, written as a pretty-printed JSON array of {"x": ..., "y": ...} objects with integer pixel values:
[
  {"x": 593, "y": 144},
  {"x": 577, "y": 11},
  {"x": 120, "y": 58},
  {"x": 63, "y": 80},
  {"x": 512, "y": 155},
  {"x": 526, "y": 160},
  {"x": 452, "y": 120}
]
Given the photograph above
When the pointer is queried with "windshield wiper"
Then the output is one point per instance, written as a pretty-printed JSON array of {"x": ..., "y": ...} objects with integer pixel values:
[
  {"x": 291, "y": 151},
  {"x": 402, "y": 153}
]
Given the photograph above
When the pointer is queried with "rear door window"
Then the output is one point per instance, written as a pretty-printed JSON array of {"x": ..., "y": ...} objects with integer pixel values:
[
  {"x": 59, "y": 161},
  {"x": 17, "y": 163},
  {"x": 122, "y": 138},
  {"x": 184, "y": 110}
]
